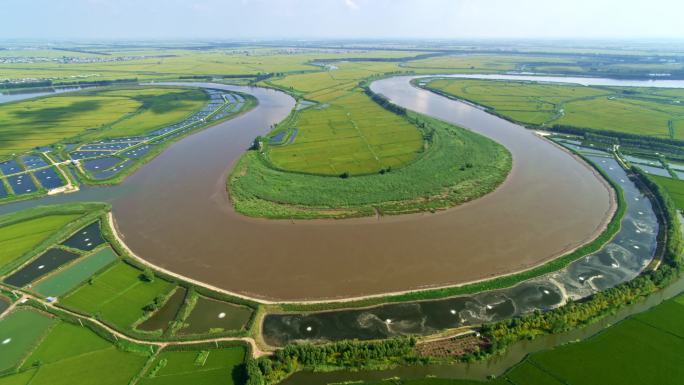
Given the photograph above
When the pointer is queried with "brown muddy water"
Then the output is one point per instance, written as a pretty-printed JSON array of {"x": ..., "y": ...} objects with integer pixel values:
[{"x": 175, "y": 213}]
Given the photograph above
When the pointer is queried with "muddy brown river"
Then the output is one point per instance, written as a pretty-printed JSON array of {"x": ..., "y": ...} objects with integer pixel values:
[{"x": 175, "y": 213}]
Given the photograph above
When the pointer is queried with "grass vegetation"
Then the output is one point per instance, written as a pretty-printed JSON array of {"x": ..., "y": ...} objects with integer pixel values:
[
  {"x": 72, "y": 354},
  {"x": 19, "y": 238},
  {"x": 93, "y": 114},
  {"x": 119, "y": 295},
  {"x": 201, "y": 367},
  {"x": 27, "y": 233},
  {"x": 20, "y": 332},
  {"x": 639, "y": 111},
  {"x": 459, "y": 166},
  {"x": 674, "y": 188}
]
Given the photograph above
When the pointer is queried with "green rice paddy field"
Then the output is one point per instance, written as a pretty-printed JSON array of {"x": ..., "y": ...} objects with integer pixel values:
[
  {"x": 118, "y": 295},
  {"x": 674, "y": 188},
  {"x": 347, "y": 131},
  {"x": 55, "y": 352},
  {"x": 640, "y": 111},
  {"x": 17, "y": 239},
  {"x": 93, "y": 114},
  {"x": 20, "y": 332},
  {"x": 216, "y": 366}
]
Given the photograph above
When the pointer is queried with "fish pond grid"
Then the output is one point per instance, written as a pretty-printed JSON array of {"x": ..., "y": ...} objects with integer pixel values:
[
  {"x": 107, "y": 158},
  {"x": 44, "y": 264}
]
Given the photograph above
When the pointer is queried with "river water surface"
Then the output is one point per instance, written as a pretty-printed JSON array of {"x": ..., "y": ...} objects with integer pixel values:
[{"x": 175, "y": 212}]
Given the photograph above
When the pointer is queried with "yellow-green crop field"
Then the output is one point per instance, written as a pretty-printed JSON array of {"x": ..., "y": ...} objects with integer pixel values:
[
  {"x": 641, "y": 111},
  {"x": 93, "y": 114},
  {"x": 347, "y": 132},
  {"x": 19, "y": 238}
]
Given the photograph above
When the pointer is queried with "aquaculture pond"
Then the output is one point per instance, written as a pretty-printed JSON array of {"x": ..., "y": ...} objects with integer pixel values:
[
  {"x": 74, "y": 275},
  {"x": 166, "y": 314},
  {"x": 3, "y": 189},
  {"x": 10, "y": 167},
  {"x": 86, "y": 238},
  {"x": 49, "y": 178},
  {"x": 497, "y": 365},
  {"x": 620, "y": 260},
  {"x": 210, "y": 314},
  {"x": 101, "y": 164},
  {"x": 33, "y": 161},
  {"x": 4, "y": 304},
  {"x": 654, "y": 170},
  {"x": 47, "y": 262},
  {"x": 22, "y": 184}
]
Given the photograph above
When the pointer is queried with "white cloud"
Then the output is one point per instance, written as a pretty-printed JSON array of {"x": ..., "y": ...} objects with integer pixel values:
[{"x": 351, "y": 4}]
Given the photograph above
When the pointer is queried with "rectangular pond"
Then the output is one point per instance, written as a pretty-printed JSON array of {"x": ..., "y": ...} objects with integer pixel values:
[
  {"x": 76, "y": 274},
  {"x": 45, "y": 263},
  {"x": 3, "y": 190},
  {"x": 639, "y": 160},
  {"x": 33, "y": 161},
  {"x": 49, "y": 178},
  {"x": 10, "y": 167},
  {"x": 106, "y": 174},
  {"x": 86, "y": 238},
  {"x": 654, "y": 170},
  {"x": 101, "y": 164},
  {"x": 22, "y": 184},
  {"x": 211, "y": 314},
  {"x": 162, "y": 318},
  {"x": 78, "y": 155}
]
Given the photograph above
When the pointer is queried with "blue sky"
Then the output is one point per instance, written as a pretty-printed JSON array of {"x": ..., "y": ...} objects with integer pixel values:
[{"x": 320, "y": 19}]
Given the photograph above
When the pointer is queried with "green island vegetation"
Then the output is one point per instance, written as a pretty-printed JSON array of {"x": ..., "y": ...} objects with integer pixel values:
[
  {"x": 656, "y": 112},
  {"x": 458, "y": 166},
  {"x": 353, "y": 153}
]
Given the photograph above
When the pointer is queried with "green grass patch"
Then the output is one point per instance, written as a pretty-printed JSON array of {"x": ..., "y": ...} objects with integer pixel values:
[
  {"x": 17, "y": 239},
  {"x": 674, "y": 188},
  {"x": 64, "y": 341},
  {"x": 632, "y": 110},
  {"x": 216, "y": 366},
  {"x": 93, "y": 114},
  {"x": 118, "y": 296},
  {"x": 74, "y": 275},
  {"x": 20, "y": 332}
]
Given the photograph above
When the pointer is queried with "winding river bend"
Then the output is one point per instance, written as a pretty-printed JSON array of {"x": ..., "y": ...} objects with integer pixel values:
[{"x": 175, "y": 213}]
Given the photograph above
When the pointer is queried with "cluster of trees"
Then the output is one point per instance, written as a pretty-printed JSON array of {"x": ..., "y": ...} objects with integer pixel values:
[
  {"x": 343, "y": 354},
  {"x": 384, "y": 102},
  {"x": 49, "y": 83}
]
